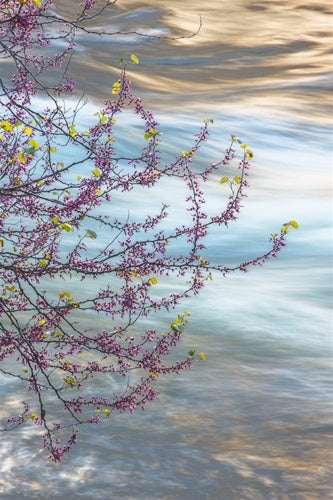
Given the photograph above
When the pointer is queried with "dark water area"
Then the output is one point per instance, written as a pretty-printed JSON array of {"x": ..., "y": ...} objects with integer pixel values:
[{"x": 254, "y": 421}]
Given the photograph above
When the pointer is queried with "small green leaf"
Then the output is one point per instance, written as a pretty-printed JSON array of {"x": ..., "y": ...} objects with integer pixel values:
[
  {"x": 203, "y": 356},
  {"x": 34, "y": 144},
  {"x": 249, "y": 154},
  {"x": 294, "y": 224},
  {"x": 96, "y": 172},
  {"x": 116, "y": 88},
  {"x": 187, "y": 153},
  {"x": 237, "y": 179},
  {"x": 224, "y": 179},
  {"x": 150, "y": 133},
  {"x": 30, "y": 151},
  {"x": 66, "y": 226},
  {"x": 134, "y": 59},
  {"x": 91, "y": 234}
]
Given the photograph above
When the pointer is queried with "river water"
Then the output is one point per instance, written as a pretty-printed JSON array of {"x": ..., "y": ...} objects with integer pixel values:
[{"x": 254, "y": 421}]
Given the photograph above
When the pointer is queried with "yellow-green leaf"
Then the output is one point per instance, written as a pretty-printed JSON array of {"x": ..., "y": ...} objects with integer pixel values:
[
  {"x": 72, "y": 131},
  {"x": 153, "y": 280},
  {"x": 6, "y": 125},
  {"x": 34, "y": 144},
  {"x": 21, "y": 158},
  {"x": 150, "y": 133},
  {"x": 69, "y": 381},
  {"x": 294, "y": 224},
  {"x": 134, "y": 59},
  {"x": 96, "y": 172},
  {"x": 224, "y": 179},
  {"x": 116, "y": 88},
  {"x": 187, "y": 153},
  {"x": 175, "y": 327},
  {"x": 203, "y": 356},
  {"x": 66, "y": 226},
  {"x": 237, "y": 179},
  {"x": 27, "y": 130},
  {"x": 249, "y": 154}
]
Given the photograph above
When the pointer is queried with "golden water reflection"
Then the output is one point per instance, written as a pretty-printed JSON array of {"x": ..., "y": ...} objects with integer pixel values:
[{"x": 264, "y": 54}]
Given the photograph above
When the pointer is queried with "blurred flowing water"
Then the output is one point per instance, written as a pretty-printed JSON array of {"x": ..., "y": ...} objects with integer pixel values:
[{"x": 254, "y": 420}]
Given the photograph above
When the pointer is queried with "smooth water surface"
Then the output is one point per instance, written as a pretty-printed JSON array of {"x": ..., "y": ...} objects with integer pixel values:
[{"x": 255, "y": 420}]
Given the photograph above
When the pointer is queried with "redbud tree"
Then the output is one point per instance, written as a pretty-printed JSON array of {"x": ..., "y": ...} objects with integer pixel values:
[{"x": 80, "y": 270}]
